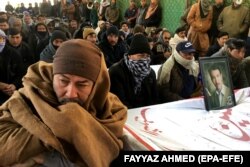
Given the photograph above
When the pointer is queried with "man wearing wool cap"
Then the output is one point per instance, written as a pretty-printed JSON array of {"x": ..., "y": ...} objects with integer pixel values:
[
  {"x": 132, "y": 78},
  {"x": 57, "y": 38},
  {"x": 64, "y": 115},
  {"x": 89, "y": 35}
]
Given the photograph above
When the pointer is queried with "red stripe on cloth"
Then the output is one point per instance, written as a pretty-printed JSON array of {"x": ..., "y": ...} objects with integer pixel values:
[{"x": 150, "y": 148}]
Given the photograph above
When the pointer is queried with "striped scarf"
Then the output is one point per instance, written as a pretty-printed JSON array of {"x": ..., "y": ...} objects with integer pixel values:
[{"x": 140, "y": 69}]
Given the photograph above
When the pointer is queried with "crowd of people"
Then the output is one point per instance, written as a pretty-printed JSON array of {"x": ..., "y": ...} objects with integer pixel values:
[{"x": 72, "y": 69}]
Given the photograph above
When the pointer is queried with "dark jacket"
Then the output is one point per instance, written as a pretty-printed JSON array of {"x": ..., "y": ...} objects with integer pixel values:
[
  {"x": 155, "y": 19},
  {"x": 213, "y": 49},
  {"x": 179, "y": 87},
  {"x": 11, "y": 69},
  {"x": 238, "y": 73},
  {"x": 48, "y": 53},
  {"x": 42, "y": 44},
  {"x": 122, "y": 85},
  {"x": 131, "y": 14},
  {"x": 158, "y": 53},
  {"x": 213, "y": 32},
  {"x": 34, "y": 41},
  {"x": 112, "y": 54},
  {"x": 93, "y": 16},
  {"x": 246, "y": 63},
  {"x": 26, "y": 54}
]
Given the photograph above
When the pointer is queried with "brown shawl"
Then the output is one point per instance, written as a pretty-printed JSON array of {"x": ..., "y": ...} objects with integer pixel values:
[{"x": 32, "y": 121}]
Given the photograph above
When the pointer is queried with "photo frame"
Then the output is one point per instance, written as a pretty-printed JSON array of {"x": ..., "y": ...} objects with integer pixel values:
[{"x": 217, "y": 83}]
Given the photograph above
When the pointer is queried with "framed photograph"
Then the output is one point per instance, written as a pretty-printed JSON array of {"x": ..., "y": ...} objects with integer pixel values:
[{"x": 217, "y": 83}]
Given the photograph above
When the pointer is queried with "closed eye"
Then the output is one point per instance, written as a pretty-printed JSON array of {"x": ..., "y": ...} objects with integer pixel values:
[
  {"x": 82, "y": 84},
  {"x": 64, "y": 82}
]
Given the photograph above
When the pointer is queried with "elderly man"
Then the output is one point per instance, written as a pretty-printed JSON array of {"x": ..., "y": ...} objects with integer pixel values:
[{"x": 64, "y": 115}]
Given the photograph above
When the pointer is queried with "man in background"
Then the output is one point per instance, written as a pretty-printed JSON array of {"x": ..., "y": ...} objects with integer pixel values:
[{"x": 11, "y": 69}]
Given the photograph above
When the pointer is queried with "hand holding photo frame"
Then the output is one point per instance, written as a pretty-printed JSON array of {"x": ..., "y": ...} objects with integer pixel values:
[{"x": 217, "y": 83}]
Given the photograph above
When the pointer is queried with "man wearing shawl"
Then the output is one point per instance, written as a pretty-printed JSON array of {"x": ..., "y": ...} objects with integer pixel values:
[
  {"x": 177, "y": 77},
  {"x": 200, "y": 19},
  {"x": 64, "y": 115}
]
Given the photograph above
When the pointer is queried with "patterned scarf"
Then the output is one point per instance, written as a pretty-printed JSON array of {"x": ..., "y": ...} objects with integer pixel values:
[{"x": 140, "y": 69}]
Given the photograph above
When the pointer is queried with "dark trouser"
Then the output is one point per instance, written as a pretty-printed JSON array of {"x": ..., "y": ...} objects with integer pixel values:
[{"x": 55, "y": 159}]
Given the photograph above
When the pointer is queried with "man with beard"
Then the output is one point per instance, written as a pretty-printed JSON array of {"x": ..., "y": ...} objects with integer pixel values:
[
  {"x": 111, "y": 48},
  {"x": 65, "y": 114},
  {"x": 235, "y": 50},
  {"x": 162, "y": 49}
]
